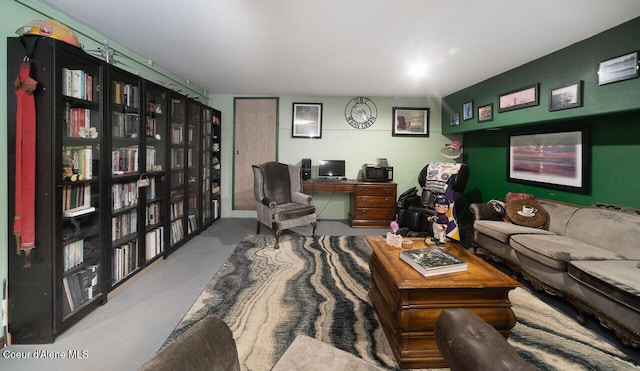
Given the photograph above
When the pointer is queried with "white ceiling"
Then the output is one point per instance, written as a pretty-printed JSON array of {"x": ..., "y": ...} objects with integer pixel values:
[{"x": 345, "y": 47}]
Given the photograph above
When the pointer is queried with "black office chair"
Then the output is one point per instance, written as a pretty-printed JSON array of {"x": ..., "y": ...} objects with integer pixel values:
[{"x": 434, "y": 179}]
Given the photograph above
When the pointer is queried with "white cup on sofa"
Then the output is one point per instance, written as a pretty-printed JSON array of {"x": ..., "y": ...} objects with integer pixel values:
[{"x": 528, "y": 210}]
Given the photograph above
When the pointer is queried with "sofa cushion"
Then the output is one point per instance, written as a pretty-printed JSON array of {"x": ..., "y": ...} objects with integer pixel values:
[
  {"x": 617, "y": 279},
  {"x": 559, "y": 214},
  {"x": 609, "y": 229},
  {"x": 501, "y": 231},
  {"x": 556, "y": 251}
]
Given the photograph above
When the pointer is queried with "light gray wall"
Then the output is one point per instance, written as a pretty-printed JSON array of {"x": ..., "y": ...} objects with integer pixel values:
[{"x": 407, "y": 155}]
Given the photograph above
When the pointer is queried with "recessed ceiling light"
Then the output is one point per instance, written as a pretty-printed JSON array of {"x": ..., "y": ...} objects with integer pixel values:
[{"x": 417, "y": 69}]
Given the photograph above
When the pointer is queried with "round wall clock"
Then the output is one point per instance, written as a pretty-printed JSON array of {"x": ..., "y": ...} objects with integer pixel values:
[{"x": 361, "y": 112}]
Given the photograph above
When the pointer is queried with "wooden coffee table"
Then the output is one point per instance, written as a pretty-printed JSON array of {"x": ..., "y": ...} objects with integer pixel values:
[{"x": 408, "y": 304}]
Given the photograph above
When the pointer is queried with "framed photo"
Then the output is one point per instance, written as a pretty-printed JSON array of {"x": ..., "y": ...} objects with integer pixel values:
[
  {"x": 467, "y": 111},
  {"x": 565, "y": 97},
  {"x": 618, "y": 69},
  {"x": 410, "y": 122},
  {"x": 520, "y": 98},
  {"x": 558, "y": 160},
  {"x": 306, "y": 120},
  {"x": 485, "y": 113},
  {"x": 454, "y": 120}
]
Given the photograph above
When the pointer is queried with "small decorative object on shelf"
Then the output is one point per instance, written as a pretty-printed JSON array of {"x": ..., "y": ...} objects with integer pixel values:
[{"x": 431, "y": 261}]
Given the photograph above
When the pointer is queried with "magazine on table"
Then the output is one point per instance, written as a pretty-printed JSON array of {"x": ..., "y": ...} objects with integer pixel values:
[{"x": 433, "y": 260}]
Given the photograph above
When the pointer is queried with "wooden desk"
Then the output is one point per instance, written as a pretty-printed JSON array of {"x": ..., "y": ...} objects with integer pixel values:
[
  {"x": 373, "y": 204},
  {"x": 408, "y": 304}
]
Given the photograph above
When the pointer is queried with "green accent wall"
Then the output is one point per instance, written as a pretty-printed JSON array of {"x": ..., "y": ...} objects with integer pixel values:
[{"x": 611, "y": 112}]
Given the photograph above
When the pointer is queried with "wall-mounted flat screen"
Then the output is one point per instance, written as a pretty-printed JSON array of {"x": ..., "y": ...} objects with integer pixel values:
[{"x": 331, "y": 169}]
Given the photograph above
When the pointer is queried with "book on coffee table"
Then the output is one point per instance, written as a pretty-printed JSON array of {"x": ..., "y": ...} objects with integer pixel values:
[{"x": 433, "y": 260}]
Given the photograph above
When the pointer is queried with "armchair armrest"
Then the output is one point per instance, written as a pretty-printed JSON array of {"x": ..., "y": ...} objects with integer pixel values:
[
  {"x": 482, "y": 211},
  {"x": 301, "y": 198},
  {"x": 266, "y": 201}
]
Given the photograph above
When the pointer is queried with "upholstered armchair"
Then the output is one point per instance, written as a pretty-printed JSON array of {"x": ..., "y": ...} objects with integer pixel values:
[{"x": 280, "y": 202}]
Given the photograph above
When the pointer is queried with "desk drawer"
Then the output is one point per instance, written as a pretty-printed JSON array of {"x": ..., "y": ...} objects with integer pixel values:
[
  {"x": 328, "y": 187},
  {"x": 374, "y": 213},
  {"x": 375, "y": 201},
  {"x": 382, "y": 189}
]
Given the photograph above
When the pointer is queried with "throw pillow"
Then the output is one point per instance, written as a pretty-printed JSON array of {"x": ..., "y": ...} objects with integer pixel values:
[{"x": 527, "y": 212}]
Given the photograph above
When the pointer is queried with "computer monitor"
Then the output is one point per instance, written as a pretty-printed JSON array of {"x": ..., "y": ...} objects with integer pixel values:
[{"x": 331, "y": 169}]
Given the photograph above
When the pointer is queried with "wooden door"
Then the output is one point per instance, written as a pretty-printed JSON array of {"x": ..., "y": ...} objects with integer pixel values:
[{"x": 254, "y": 143}]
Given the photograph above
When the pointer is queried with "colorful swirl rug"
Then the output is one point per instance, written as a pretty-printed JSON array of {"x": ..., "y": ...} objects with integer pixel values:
[{"x": 319, "y": 288}]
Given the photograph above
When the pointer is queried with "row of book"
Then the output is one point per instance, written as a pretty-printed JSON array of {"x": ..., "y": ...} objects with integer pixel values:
[
  {"x": 177, "y": 136},
  {"x": 125, "y": 125},
  {"x": 75, "y": 197},
  {"x": 177, "y": 158},
  {"x": 77, "y": 84},
  {"x": 78, "y": 123},
  {"x": 124, "y": 224},
  {"x": 192, "y": 223},
  {"x": 177, "y": 233},
  {"x": 153, "y": 214},
  {"x": 72, "y": 254},
  {"x": 124, "y": 260},
  {"x": 151, "y": 127},
  {"x": 176, "y": 209},
  {"x": 79, "y": 288},
  {"x": 154, "y": 243},
  {"x": 126, "y": 94},
  {"x": 216, "y": 209},
  {"x": 77, "y": 163},
  {"x": 124, "y": 160},
  {"x": 152, "y": 159},
  {"x": 151, "y": 191},
  {"x": 193, "y": 202},
  {"x": 124, "y": 195}
]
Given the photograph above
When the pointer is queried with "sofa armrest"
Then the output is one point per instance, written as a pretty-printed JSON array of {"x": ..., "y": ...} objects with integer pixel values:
[
  {"x": 467, "y": 342},
  {"x": 208, "y": 345},
  {"x": 482, "y": 211}
]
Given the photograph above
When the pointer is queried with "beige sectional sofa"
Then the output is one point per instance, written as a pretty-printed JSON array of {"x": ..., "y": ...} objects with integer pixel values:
[{"x": 588, "y": 255}]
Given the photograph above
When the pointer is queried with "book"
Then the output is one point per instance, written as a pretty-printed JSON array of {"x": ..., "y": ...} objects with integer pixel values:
[{"x": 433, "y": 260}]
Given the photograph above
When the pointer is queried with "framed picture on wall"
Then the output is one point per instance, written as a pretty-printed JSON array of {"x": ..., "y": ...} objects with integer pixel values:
[
  {"x": 618, "y": 69},
  {"x": 485, "y": 113},
  {"x": 467, "y": 111},
  {"x": 557, "y": 160},
  {"x": 410, "y": 122},
  {"x": 565, "y": 97},
  {"x": 519, "y": 98},
  {"x": 306, "y": 120},
  {"x": 454, "y": 119}
]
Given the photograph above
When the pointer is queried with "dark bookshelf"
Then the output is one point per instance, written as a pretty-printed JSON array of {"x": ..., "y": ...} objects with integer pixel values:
[{"x": 124, "y": 178}]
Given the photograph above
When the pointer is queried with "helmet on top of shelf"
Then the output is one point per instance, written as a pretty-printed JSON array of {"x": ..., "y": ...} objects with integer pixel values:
[{"x": 50, "y": 28}]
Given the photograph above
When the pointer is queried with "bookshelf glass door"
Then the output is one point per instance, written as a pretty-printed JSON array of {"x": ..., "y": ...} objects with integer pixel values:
[
  {"x": 80, "y": 186},
  {"x": 124, "y": 106},
  {"x": 216, "y": 164},
  {"x": 193, "y": 167},
  {"x": 177, "y": 171},
  {"x": 155, "y": 170},
  {"x": 207, "y": 142}
]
